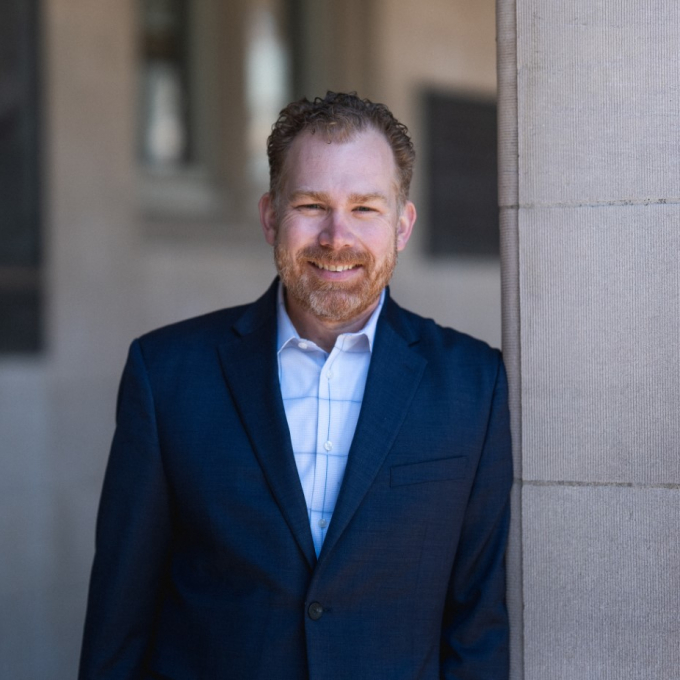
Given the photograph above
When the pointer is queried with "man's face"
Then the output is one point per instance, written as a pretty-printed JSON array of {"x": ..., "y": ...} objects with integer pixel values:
[{"x": 336, "y": 228}]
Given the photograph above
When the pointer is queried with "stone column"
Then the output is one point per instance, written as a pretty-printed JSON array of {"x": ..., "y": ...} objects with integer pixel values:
[
  {"x": 589, "y": 98},
  {"x": 94, "y": 306}
]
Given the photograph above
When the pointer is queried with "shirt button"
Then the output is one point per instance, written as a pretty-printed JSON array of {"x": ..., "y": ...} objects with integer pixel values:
[
  {"x": 303, "y": 345},
  {"x": 323, "y": 523},
  {"x": 315, "y": 611},
  {"x": 328, "y": 446},
  {"x": 329, "y": 375}
]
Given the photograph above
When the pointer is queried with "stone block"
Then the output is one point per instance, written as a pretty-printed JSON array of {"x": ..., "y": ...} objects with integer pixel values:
[
  {"x": 600, "y": 339},
  {"x": 515, "y": 602},
  {"x": 601, "y": 583},
  {"x": 598, "y": 101}
]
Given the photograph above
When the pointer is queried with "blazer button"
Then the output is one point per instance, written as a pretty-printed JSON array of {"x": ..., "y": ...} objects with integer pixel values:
[{"x": 315, "y": 611}]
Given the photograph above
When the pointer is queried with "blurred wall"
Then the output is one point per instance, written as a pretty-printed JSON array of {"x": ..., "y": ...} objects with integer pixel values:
[
  {"x": 113, "y": 272},
  {"x": 450, "y": 46}
]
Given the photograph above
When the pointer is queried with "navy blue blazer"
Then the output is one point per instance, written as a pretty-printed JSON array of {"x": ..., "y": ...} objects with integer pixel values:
[{"x": 205, "y": 567}]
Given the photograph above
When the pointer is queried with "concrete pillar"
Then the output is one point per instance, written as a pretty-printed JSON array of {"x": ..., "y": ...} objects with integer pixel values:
[
  {"x": 589, "y": 97},
  {"x": 94, "y": 307}
]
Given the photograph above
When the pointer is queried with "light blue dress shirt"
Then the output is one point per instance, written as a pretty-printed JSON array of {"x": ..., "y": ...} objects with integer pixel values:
[{"x": 322, "y": 395}]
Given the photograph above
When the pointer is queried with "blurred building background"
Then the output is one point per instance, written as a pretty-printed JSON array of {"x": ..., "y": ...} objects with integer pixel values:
[{"x": 132, "y": 155}]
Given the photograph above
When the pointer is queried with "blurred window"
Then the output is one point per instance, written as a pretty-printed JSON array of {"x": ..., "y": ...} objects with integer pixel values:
[
  {"x": 20, "y": 291},
  {"x": 164, "y": 99},
  {"x": 213, "y": 75},
  {"x": 462, "y": 191},
  {"x": 267, "y": 82}
]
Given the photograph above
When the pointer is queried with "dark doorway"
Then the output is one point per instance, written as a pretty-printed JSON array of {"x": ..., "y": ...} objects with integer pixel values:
[{"x": 20, "y": 299}]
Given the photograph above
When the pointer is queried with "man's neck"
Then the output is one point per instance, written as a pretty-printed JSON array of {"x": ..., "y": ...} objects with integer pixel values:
[{"x": 324, "y": 332}]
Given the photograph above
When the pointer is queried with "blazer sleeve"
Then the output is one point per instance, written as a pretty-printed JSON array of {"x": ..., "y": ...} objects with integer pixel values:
[
  {"x": 132, "y": 538},
  {"x": 475, "y": 627}
]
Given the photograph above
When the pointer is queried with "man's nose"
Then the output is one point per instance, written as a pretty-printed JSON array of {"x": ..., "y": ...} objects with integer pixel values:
[{"x": 336, "y": 232}]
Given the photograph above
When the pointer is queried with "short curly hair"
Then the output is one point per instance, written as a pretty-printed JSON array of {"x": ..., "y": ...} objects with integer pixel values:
[{"x": 342, "y": 115}]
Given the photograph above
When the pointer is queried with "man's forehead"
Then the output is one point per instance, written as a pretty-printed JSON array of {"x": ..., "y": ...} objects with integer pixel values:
[
  {"x": 357, "y": 158},
  {"x": 336, "y": 134}
]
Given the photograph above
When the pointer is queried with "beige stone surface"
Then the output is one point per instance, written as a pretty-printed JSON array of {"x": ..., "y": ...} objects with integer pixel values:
[
  {"x": 601, "y": 583},
  {"x": 600, "y": 296},
  {"x": 599, "y": 101}
]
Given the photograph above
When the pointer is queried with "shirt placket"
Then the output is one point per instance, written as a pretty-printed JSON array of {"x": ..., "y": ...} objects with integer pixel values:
[{"x": 324, "y": 449}]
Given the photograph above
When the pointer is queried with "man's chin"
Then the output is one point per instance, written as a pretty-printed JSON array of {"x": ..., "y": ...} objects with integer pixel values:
[
  {"x": 337, "y": 306},
  {"x": 335, "y": 301}
]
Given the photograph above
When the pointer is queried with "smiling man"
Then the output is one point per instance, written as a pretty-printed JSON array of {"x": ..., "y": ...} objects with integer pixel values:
[
  {"x": 336, "y": 222},
  {"x": 314, "y": 485}
]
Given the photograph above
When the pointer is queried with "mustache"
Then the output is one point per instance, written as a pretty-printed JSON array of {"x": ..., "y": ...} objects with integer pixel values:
[{"x": 335, "y": 257}]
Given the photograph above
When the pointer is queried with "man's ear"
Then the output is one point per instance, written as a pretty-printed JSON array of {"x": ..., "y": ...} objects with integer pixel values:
[
  {"x": 407, "y": 219},
  {"x": 268, "y": 218}
]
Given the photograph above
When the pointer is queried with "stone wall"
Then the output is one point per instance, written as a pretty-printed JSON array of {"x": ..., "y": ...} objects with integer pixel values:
[{"x": 590, "y": 189}]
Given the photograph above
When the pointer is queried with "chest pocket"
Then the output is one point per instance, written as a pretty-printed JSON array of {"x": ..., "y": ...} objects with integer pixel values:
[{"x": 439, "y": 470}]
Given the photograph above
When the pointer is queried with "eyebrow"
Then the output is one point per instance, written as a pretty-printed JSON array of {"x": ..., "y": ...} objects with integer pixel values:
[
  {"x": 365, "y": 198},
  {"x": 323, "y": 197},
  {"x": 309, "y": 194}
]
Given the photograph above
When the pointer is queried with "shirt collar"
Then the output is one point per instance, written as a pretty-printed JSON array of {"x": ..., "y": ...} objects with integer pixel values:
[{"x": 286, "y": 331}]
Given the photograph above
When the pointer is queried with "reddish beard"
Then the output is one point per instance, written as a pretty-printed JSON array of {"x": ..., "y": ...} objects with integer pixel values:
[{"x": 333, "y": 300}]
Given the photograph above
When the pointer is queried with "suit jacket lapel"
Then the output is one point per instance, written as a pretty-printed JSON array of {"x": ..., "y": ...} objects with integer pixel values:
[
  {"x": 393, "y": 378},
  {"x": 250, "y": 369}
]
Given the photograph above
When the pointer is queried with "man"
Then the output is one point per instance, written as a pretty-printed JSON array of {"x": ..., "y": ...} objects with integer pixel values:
[{"x": 314, "y": 485}]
